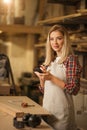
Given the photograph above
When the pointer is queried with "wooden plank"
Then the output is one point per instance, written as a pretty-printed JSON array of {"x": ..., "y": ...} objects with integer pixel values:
[
  {"x": 68, "y": 2},
  {"x": 40, "y": 45},
  {"x": 21, "y": 29},
  {"x": 12, "y": 105},
  {"x": 64, "y": 19},
  {"x": 82, "y": 11}
]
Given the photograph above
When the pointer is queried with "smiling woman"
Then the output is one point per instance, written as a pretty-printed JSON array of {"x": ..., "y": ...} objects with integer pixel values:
[{"x": 60, "y": 80}]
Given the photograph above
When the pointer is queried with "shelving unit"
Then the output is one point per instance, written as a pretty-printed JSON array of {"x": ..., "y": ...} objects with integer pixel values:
[{"x": 68, "y": 20}]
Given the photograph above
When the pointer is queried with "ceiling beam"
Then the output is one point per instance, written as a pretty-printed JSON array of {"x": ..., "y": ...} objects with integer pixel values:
[{"x": 21, "y": 29}]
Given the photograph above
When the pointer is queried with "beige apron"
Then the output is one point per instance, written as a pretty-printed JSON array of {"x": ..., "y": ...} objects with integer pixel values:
[{"x": 58, "y": 102}]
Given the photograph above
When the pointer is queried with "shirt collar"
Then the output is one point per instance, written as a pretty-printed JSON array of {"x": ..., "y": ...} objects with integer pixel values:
[{"x": 57, "y": 59}]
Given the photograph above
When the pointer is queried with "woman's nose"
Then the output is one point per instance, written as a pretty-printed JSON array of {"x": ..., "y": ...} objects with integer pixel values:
[{"x": 55, "y": 41}]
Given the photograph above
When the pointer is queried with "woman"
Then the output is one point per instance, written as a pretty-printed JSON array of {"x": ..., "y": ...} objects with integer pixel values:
[{"x": 60, "y": 80}]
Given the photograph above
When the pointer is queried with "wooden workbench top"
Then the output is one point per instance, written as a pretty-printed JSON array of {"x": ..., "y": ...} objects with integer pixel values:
[{"x": 11, "y": 105}]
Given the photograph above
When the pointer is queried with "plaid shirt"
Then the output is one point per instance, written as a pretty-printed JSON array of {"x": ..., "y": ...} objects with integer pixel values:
[{"x": 73, "y": 73}]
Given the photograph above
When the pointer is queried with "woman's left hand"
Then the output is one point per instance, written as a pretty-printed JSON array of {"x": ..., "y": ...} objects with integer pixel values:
[{"x": 44, "y": 76}]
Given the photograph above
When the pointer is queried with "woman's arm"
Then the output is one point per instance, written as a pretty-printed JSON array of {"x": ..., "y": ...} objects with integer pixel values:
[
  {"x": 73, "y": 74},
  {"x": 57, "y": 81}
]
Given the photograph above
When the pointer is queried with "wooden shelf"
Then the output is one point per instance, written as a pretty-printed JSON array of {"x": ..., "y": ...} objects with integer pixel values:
[
  {"x": 68, "y": 2},
  {"x": 21, "y": 29},
  {"x": 40, "y": 45},
  {"x": 72, "y": 19},
  {"x": 81, "y": 51},
  {"x": 79, "y": 41}
]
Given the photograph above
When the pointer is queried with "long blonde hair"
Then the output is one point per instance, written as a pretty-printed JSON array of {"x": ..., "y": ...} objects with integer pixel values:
[{"x": 66, "y": 49}]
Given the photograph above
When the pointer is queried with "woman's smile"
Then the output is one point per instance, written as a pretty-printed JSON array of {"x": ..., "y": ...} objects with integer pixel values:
[{"x": 55, "y": 46}]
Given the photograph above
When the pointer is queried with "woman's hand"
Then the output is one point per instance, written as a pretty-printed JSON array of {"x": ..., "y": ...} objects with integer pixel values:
[
  {"x": 46, "y": 75},
  {"x": 43, "y": 76}
]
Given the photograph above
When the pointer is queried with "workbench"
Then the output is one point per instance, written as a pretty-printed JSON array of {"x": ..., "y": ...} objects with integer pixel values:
[{"x": 11, "y": 105}]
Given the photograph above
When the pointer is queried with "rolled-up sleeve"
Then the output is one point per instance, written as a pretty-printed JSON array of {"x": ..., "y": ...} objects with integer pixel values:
[{"x": 73, "y": 74}]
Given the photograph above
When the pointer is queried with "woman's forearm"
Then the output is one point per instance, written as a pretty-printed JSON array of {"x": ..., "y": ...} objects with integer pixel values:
[{"x": 57, "y": 81}]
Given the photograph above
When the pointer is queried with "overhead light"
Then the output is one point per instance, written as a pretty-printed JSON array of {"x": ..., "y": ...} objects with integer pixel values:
[
  {"x": 1, "y": 31},
  {"x": 7, "y": 1}
]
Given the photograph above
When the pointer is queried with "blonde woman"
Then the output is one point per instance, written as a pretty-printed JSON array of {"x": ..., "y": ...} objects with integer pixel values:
[{"x": 60, "y": 79}]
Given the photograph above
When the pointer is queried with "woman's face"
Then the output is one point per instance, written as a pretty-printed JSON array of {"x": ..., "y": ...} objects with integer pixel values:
[{"x": 56, "y": 41}]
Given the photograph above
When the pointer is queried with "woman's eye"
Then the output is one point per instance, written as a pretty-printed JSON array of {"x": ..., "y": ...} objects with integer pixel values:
[
  {"x": 51, "y": 39},
  {"x": 59, "y": 38}
]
